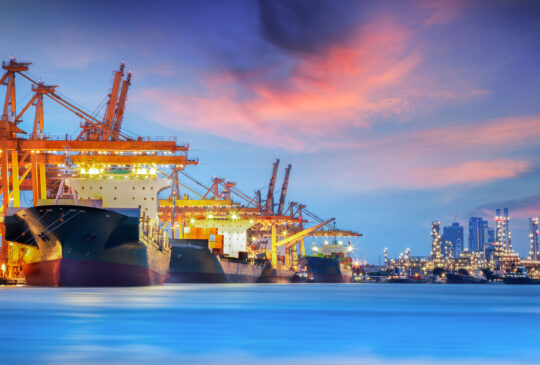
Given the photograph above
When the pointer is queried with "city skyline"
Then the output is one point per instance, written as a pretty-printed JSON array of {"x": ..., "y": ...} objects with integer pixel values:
[{"x": 397, "y": 112}]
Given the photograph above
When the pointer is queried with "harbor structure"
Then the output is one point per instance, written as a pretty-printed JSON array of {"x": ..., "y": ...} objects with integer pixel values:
[{"x": 32, "y": 162}]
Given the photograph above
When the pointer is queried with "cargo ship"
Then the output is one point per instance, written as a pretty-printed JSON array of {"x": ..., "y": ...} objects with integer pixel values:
[
  {"x": 192, "y": 262},
  {"x": 330, "y": 264},
  {"x": 108, "y": 235}
]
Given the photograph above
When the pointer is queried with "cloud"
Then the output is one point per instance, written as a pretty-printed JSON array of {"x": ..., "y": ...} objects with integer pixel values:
[
  {"x": 519, "y": 208},
  {"x": 467, "y": 154},
  {"x": 474, "y": 172},
  {"x": 311, "y": 101},
  {"x": 307, "y": 25}
]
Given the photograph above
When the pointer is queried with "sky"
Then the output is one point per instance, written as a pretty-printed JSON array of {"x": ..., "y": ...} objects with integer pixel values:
[{"x": 393, "y": 113}]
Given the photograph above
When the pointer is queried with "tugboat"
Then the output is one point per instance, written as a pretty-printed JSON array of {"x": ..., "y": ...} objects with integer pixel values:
[{"x": 106, "y": 234}]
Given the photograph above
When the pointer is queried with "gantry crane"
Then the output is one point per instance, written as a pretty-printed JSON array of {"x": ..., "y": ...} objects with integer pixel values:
[{"x": 28, "y": 161}]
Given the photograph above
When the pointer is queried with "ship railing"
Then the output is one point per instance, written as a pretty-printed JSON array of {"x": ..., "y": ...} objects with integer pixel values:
[{"x": 151, "y": 234}]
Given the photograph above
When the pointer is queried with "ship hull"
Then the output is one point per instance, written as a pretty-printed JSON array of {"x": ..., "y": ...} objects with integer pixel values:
[
  {"x": 238, "y": 271},
  {"x": 521, "y": 281},
  {"x": 85, "y": 246},
  {"x": 69, "y": 272},
  {"x": 323, "y": 270},
  {"x": 192, "y": 262},
  {"x": 462, "y": 279}
]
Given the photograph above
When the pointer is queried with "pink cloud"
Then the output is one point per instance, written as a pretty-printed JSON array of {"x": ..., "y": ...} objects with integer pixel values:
[
  {"x": 371, "y": 75},
  {"x": 470, "y": 154},
  {"x": 467, "y": 172}
]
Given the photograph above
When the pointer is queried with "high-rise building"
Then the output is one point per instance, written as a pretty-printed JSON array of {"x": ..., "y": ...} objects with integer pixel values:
[
  {"x": 533, "y": 229},
  {"x": 490, "y": 235},
  {"x": 453, "y": 237},
  {"x": 478, "y": 228}
]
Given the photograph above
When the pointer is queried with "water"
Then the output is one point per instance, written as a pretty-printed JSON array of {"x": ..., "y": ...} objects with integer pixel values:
[{"x": 269, "y": 324}]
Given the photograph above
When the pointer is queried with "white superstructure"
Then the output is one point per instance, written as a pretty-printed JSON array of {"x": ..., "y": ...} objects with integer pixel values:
[{"x": 123, "y": 191}]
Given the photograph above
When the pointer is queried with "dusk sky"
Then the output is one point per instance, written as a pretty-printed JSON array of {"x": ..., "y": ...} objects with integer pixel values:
[{"x": 392, "y": 113}]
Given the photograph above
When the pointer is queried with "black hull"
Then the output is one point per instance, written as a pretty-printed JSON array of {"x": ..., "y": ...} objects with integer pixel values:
[
  {"x": 192, "y": 262},
  {"x": 85, "y": 246},
  {"x": 521, "y": 281},
  {"x": 323, "y": 270},
  {"x": 462, "y": 279}
]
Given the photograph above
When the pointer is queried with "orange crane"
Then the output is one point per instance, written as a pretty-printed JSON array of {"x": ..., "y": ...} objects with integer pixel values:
[
  {"x": 29, "y": 162},
  {"x": 271, "y": 186},
  {"x": 284, "y": 189},
  {"x": 119, "y": 114}
]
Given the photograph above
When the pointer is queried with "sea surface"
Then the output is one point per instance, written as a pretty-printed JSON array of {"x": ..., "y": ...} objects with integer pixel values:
[{"x": 271, "y": 324}]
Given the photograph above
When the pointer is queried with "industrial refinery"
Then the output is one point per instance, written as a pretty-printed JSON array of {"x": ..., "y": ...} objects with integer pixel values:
[{"x": 489, "y": 258}]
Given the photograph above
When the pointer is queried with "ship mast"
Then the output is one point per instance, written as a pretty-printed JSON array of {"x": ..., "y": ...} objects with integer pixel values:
[{"x": 66, "y": 190}]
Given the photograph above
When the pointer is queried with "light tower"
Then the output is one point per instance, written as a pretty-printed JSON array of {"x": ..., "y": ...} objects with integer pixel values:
[
  {"x": 533, "y": 228},
  {"x": 386, "y": 264}
]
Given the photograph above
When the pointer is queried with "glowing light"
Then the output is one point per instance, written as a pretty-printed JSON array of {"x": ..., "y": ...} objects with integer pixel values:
[
  {"x": 192, "y": 220},
  {"x": 234, "y": 216}
]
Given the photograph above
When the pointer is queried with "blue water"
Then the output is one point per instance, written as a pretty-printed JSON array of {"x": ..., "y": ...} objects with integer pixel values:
[{"x": 267, "y": 324}]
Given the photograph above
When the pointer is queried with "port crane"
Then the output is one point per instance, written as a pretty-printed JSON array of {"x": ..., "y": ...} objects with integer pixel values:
[{"x": 30, "y": 161}]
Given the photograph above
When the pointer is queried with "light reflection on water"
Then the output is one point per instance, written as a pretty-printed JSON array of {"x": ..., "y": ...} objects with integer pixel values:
[{"x": 289, "y": 324}]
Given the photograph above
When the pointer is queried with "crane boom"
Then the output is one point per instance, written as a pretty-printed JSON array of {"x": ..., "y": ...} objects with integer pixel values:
[
  {"x": 109, "y": 112},
  {"x": 270, "y": 196},
  {"x": 284, "y": 189},
  {"x": 291, "y": 240},
  {"x": 295, "y": 237},
  {"x": 119, "y": 114}
]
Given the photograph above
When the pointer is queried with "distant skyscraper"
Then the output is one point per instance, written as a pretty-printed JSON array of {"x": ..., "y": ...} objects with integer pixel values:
[
  {"x": 533, "y": 229},
  {"x": 453, "y": 234},
  {"x": 478, "y": 228},
  {"x": 490, "y": 235}
]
